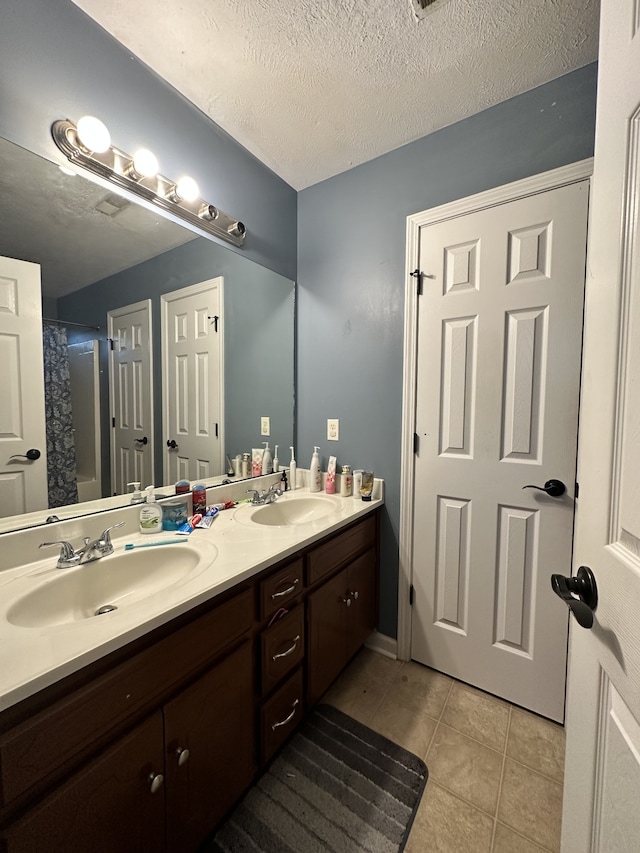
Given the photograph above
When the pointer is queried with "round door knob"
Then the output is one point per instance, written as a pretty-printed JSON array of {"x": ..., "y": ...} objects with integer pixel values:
[
  {"x": 183, "y": 755},
  {"x": 347, "y": 601},
  {"x": 354, "y": 595},
  {"x": 172, "y": 444},
  {"x": 155, "y": 782},
  {"x": 554, "y": 488},
  {"x": 143, "y": 440}
]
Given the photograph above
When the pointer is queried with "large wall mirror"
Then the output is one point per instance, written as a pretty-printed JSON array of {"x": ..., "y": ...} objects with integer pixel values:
[{"x": 98, "y": 256}]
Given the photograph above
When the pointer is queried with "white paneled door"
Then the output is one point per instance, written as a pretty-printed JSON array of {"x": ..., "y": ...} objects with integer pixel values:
[
  {"x": 602, "y": 775},
  {"x": 131, "y": 396},
  {"x": 498, "y": 372},
  {"x": 23, "y": 480},
  {"x": 192, "y": 375}
]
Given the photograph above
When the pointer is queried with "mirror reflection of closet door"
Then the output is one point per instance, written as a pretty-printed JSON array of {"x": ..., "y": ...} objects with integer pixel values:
[
  {"x": 192, "y": 382},
  {"x": 131, "y": 396},
  {"x": 23, "y": 480}
]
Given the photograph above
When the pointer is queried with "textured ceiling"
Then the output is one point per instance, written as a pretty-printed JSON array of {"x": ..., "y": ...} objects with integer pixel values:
[{"x": 314, "y": 87}]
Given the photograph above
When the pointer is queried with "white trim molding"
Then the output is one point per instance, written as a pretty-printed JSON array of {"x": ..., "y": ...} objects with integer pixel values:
[
  {"x": 552, "y": 179},
  {"x": 383, "y": 644}
]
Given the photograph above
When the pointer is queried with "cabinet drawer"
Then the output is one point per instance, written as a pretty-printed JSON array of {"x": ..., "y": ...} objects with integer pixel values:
[
  {"x": 281, "y": 714},
  {"x": 281, "y": 648},
  {"x": 280, "y": 588},
  {"x": 340, "y": 550},
  {"x": 74, "y": 725}
]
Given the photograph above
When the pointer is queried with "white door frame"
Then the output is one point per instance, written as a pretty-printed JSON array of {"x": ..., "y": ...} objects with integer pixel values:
[{"x": 509, "y": 192}]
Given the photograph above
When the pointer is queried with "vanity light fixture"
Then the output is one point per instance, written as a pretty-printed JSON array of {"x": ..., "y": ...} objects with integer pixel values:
[{"x": 88, "y": 144}]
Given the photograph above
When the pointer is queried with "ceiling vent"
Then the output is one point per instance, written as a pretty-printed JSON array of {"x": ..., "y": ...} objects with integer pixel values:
[{"x": 422, "y": 8}]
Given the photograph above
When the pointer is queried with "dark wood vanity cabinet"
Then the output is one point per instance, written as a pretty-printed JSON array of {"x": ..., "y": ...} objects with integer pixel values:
[{"x": 151, "y": 747}]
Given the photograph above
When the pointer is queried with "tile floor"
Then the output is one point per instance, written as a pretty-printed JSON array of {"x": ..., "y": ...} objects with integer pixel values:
[{"x": 495, "y": 771}]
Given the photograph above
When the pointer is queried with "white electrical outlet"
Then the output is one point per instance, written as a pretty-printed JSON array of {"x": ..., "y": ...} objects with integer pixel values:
[
  {"x": 265, "y": 426},
  {"x": 333, "y": 429}
]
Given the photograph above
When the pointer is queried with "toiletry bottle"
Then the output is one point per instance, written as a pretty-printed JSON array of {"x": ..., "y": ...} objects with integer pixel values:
[
  {"x": 346, "y": 482},
  {"x": 283, "y": 481},
  {"x": 315, "y": 475},
  {"x": 183, "y": 487},
  {"x": 330, "y": 487},
  {"x": 357, "y": 482},
  {"x": 150, "y": 514},
  {"x": 267, "y": 466},
  {"x": 292, "y": 472},
  {"x": 276, "y": 461},
  {"x": 246, "y": 465},
  {"x": 137, "y": 497},
  {"x": 199, "y": 498}
]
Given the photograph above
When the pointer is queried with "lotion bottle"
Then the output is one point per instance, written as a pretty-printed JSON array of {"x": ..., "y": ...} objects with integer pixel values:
[
  {"x": 315, "y": 475},
  {"x": 150, "y": 514},
  {"x": 330, "y": 487},
  {"x": 292, "y": 472},
  {"x": 267, "y": 466}
]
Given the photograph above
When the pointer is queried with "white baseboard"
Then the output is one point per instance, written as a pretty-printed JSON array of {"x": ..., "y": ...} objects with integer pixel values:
[{"x": 384, "y": 645}]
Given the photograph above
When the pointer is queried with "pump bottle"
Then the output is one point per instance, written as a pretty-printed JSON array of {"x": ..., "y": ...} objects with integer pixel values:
[
  {"x": 150, "y": 514},
  {"x": 315, "y": 475}
]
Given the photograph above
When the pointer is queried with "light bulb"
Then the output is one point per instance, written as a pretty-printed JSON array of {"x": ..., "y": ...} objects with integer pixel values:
[
  {"x": 93, "y": 134},
  {"x": 187, "y": 189},
  {"x": 145, "y": 163}
]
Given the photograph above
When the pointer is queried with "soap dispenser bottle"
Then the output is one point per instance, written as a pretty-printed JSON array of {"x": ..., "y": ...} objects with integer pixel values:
[
  {"x": 267, "y": 466},
  {"x": 292, "y": 472},
  {"x": 150, "y": 514},
  {"x": 137, "y": 497},
  {"x": 315, "y": 475}
]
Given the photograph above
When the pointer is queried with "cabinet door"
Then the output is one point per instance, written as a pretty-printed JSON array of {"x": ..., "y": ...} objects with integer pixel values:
[
  {"x": 362, "y": 591},
  {"x": 209, "y": 734},
  {"x": 109, "y": 805},
  {"x": 327, "y": 635}
]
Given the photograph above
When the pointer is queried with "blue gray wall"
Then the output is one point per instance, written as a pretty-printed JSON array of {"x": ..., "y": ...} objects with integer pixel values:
[
  {"x": 351, "y": 273},
  {"x": 56, "y": 62}
]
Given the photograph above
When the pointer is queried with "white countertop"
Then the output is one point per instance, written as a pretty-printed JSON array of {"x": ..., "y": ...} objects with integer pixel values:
[{"x": 231, "y": 551}]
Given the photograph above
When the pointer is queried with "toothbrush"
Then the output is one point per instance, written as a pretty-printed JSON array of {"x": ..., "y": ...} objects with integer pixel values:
[{"x": 131, "y": 545}]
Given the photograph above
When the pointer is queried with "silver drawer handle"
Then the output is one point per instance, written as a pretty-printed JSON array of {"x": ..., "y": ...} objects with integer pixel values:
[
  {"x": 155, "y": 781},
  {"x": 287, "y": 719},
  {"x": 286, "y": 591},
  {"x": 289, "y": 650}
]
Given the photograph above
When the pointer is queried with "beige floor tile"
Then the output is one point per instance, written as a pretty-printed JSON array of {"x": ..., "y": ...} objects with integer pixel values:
[
  {"x": 508, "y": 841},
  {"x": 538, "y": 743},
  {"x": 465, "y": 767},
  {"x": 404, "y": 726},
  {"x": 355, "y": 699},
  {"x": 445, "y": 824},
  {"x": 478, "y": 715},
  {"x": 531, "y": 804},
  {"x": 374, "y": 669},
  {"x": 421, "y": 688}
]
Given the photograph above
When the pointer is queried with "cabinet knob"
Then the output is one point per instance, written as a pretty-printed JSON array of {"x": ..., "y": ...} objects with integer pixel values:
[
  {"x": 183, "y": 755},
  {"x": 155, "y": 782},
  {"x": 347, "y": 601},
  {"x": 354, "y": 594}
]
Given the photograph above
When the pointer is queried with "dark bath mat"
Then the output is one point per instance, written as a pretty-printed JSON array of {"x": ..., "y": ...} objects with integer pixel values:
[{"x": 336, "y": 786}]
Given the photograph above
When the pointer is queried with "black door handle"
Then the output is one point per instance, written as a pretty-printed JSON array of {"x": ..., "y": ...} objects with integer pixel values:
[
  {"x": 143, "y": 440},
  {"x": 554, "y": 488},
  {"x": 172, "y": 444},
  {"x": 584, "y": 586},
  {"x": 31, "y": 455}
]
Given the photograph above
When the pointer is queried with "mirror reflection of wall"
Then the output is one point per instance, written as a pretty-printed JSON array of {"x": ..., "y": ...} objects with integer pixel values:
[{"x": 97, "y": 253}]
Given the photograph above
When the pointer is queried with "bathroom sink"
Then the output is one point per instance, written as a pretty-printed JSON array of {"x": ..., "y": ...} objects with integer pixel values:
[
  {"x": 289, "y": 511},
  {"x": 109, "y": 584}
]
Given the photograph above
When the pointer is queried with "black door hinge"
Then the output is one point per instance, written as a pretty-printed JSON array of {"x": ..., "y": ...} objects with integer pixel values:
[
  {"x": 411, "y": 595},
  {"x": 418, "y": 277},
  {"x": 416, "y": 442},
  {"x": 216, "y": 430},
  {"x": 577, "y": 489},
  {"x": 215, "y": 322},
  {"x": 111, "y": 343},
  {"x": 113, "y": 422}
]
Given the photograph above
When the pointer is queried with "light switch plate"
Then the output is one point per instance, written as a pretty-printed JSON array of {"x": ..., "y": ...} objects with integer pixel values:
[
  {"x": 265, "y": 426},
  {"x": 333, "y": 429}
]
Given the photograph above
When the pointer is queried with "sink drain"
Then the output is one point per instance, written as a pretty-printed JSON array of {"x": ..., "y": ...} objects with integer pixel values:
[{"x": 106, "y": 608}]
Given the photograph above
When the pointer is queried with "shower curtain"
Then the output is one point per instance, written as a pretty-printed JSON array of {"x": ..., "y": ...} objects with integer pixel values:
[{"x": 61, "y": 451}]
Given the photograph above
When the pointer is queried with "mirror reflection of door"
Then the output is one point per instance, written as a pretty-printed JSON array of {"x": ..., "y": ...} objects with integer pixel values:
[
  {"x": 131, "y": 396},
  {"x": 192, "y": 376},
  {"x": 23, "y": 482}
]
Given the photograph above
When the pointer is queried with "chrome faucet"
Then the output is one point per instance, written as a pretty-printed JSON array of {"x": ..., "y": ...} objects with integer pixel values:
[
  {"x": 90, "y": 551},
  {"x": 267, "y": 497}
]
